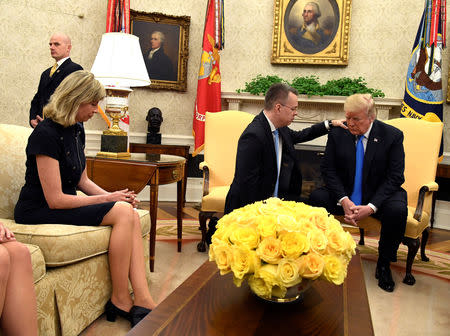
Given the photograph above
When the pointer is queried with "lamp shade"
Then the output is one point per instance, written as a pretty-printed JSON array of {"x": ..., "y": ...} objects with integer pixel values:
[{"x": 119, "y": 61}]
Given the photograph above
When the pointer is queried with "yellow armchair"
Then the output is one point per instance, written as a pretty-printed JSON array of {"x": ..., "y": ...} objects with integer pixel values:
[
  {"x": 421, "y": 143},
  {"x": 222, "y": 132}
]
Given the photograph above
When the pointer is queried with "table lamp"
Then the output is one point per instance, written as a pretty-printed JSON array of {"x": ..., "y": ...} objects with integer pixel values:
[{"x": 119, "y": 65}]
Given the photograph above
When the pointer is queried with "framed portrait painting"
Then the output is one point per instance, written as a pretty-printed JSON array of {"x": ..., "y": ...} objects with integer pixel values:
[
  {"x": 164, "y": 41},
  {"x": 311, "y": 32}
]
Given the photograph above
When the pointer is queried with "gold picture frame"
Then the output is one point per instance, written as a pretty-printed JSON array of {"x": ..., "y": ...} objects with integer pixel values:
[
  {"x": 167, "y": 67},
  {"x": 325, "y": 40}
]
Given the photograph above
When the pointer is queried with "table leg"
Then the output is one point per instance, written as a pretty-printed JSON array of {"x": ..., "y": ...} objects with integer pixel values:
[
  {"x": 180, "y": 199},
  {"x": 153, "y": 216},
  {"x": 185, "y": 183}
]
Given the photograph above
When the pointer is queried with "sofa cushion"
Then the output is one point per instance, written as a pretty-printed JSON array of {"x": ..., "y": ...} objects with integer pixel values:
[
  {"x": 67, "y": 244},
  {"x": 13, "y": 141},
  {"x": 37, "y": 261}
]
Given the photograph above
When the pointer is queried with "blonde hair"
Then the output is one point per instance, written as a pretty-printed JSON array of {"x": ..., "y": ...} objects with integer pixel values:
[
  {"x": 360, "y": 102},
  {"x": 77, "y": 88}
]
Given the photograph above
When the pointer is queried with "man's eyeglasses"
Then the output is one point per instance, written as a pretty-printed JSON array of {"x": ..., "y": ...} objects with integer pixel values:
[{"x": 293, "y": 109}]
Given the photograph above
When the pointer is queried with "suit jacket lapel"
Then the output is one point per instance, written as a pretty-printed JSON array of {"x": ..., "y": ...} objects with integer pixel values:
[
  {"x": 58, "y": 71},
  {"x": 349, "y": 141},
  {"x": 269, "y": 137},
  {"x": 372, "y": 145}
]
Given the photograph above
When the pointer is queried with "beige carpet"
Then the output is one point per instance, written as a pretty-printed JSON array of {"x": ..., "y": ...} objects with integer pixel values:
[{"x": 421, "y": 309}]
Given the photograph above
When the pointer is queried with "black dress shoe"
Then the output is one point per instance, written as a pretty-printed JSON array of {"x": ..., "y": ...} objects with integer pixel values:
[
  {"x": 384, "y": 276},
  {"x": 111, "y": 311},
  {"x": 137, "y": 313}
]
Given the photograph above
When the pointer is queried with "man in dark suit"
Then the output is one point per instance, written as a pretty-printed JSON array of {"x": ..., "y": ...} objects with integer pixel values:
[
  {"x": 375, "y": 191},
  {"x": 60, "y": 46},
  {"x": 267, "y": 166},
  {"x": 159, "y": 65}
]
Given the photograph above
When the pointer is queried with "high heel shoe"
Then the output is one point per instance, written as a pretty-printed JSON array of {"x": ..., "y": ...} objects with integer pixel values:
[
  {"x": 112, "y": 311},
  {"x": 137, "y": 313}
]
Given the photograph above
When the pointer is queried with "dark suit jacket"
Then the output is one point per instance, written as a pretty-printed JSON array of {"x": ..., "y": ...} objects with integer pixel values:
[
  {"x": 160, "y": 66},
  {"x": 48, "y": 85},
  {"x": 384, "y": 163},
  {"x": 256, "y": 168}
]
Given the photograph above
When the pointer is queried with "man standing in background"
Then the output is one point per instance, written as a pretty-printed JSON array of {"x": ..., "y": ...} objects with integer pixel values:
[{"x": 60, "y": 46}]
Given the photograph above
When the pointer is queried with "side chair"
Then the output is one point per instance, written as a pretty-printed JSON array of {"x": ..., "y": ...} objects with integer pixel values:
[
  {"x": 421, "y": 143},
  {"x": 222, "y": 132}
]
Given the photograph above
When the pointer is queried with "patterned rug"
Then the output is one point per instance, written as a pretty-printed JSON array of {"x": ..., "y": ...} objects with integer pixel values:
[
  {"x": 438, "y": 266},
  {"x": 166, "y": 229}
]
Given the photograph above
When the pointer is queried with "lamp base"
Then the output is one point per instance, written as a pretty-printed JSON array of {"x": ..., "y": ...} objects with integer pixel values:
[
  {"x": 114, "y": 146},
  {"x": 114, "y": 143}
]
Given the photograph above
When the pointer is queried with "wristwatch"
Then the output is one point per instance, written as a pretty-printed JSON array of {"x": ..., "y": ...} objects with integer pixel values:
[{"x": 330, "y": 124}]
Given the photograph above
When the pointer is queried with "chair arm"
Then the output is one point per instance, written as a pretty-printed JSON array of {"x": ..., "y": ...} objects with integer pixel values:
[
  {"x": 429, "y": 187},
  {"x": 204, "y": 166}
]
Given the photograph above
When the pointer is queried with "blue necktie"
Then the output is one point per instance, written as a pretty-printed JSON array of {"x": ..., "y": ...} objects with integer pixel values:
[
  {"x": 356, "y": 196},
  {"x": 275, "y": 192}
]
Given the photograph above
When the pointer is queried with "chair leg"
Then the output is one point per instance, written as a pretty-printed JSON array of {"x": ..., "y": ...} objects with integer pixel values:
[
  {"x": 203, "y": 216},
  {"x": 361, "y": 236},
  {"x": 423, "y": 243},
  {"x": 413, "y": 247}
]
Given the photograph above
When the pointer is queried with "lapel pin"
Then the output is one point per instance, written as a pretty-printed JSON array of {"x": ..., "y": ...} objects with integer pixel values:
[{"x": 375, "y": 140}]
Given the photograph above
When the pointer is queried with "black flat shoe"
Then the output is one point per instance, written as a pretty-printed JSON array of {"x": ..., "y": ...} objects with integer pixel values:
[
  {"x": 112, "y": 311},
  {"x": 384, "y": 276},
  {"x": 137, "y": 313}
]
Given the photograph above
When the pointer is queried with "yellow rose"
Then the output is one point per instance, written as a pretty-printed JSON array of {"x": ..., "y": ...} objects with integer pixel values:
[
  {"x": 244, "y": 261},
  {"x": 245, "y": 236},
  {"x": 337, "y": 242},
  {"x": 287, "y": 223},
  {"x": 287, "y": 272},
  {"x": 264, "y": 280},
  {"x": 267, "y": 226},
  {"x": 319, "y": 217},
  {"x": 350, "y": 246},
  {"x": 318, "y": 241},
  {"x": 293, "y": 244},
  {"x": 306, "y": 227},
  {"x": 279, "y": 291},
  {"x": 335, "y": 269},
  {"x": 269, "y": 250},
  {"x": 223, "y": 231},
  {"x": 222, "y": 255},
  {"x": 310, "y": 266},
  {"x": 302, "y": 211},
  {"x": 334, "y": 224},
  {"x": 260, "y": 287},
  {"x": 268, "y": 207}
]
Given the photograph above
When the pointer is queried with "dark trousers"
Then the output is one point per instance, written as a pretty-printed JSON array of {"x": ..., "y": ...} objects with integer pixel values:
[{"x": 392, "y": 214}]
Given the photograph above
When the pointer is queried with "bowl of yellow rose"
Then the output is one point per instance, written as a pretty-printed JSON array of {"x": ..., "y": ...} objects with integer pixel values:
[{"x": 281, "y": 247}]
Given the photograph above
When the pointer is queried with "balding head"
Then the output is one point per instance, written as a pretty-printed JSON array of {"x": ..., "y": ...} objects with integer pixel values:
[{"x": 60, "y": 46}]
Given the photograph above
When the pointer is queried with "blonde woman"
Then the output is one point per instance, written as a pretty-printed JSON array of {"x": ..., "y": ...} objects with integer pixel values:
[
  {"x": 17, "y": 295},
  {"x": 56, "y": 168}
]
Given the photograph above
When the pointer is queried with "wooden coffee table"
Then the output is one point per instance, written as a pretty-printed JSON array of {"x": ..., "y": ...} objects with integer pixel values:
[{"x": 209, "y": 304}]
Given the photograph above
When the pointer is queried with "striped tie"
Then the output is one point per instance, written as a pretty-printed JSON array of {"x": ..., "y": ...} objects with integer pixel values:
[{"x": 53, "y": 69}]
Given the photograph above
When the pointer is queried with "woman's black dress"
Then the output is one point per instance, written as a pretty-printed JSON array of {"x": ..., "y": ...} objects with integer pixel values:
[{"x": 65, "y": 144}]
